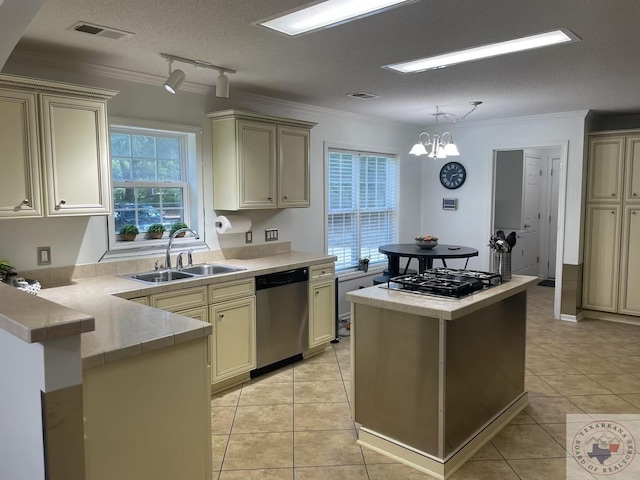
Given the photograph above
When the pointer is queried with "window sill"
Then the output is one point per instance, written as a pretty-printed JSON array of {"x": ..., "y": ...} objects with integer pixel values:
[
  {"x": 150, "y": 248},
  {"x": 351, "y": 273}
]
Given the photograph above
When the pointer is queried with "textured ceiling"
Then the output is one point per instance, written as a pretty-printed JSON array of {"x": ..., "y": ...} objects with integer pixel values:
[{"x": 600, "y": 73}]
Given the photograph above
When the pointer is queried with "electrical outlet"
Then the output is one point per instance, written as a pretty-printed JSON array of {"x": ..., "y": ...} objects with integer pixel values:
[
  {"x": 248, "y": 237},
  {"x": 270, "y": 234},
  {"x": 44, "y": 255}
]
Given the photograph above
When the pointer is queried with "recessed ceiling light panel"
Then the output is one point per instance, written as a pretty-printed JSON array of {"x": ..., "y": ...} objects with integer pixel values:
[
  {"x": 327, "y": 14},
  {"x": 486, "y": 51}
]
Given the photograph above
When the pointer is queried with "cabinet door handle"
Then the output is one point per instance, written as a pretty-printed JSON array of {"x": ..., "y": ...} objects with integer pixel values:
[
  {"x": 633, "y": 212},
  {"x": 269, "y": 197},
  {"x": 634, "y": 194},
  {"x": 317, "y": 292},
  {"x": 613, "y": 194},
  {"x": 286, "y": 197},
  {"x": 612, "y": 211},
  {"x": 62, "y": 202},
  {"x": 26, "y": 201},
  {"x": 221, "y": 315}
]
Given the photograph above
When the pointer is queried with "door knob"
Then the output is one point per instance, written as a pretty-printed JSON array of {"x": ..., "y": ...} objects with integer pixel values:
[{"x": 26, "y": 201}]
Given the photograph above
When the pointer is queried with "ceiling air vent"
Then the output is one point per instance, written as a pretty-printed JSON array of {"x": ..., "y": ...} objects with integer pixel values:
[
  {"x": 363, "y": 95},
  {"x": 100, "y": 31}
]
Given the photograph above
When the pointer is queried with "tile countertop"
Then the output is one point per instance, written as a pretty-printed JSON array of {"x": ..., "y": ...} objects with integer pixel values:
[
  {"x": 123, "y": 328},
  {"x": 443, "y": 308}
]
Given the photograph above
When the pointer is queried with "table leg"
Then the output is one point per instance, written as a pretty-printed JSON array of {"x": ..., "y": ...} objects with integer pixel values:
[
  {"x": 424, "y": 264},
  {"x": 394, "y": 265}
]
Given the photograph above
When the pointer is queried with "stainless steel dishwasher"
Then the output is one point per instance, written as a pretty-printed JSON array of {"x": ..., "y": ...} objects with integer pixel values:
[{"x": 282, "y": 317}]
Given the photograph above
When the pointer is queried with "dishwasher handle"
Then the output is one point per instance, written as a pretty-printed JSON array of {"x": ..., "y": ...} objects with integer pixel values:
[{"x": 279, "y": 279}]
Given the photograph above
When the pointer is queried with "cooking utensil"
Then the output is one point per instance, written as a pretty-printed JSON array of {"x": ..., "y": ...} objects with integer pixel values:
[
  {"x": 511, "y": 240},
  {"x": 502, "y": 246}
]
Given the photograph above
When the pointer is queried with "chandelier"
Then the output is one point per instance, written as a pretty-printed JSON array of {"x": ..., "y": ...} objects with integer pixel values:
[{"x": 440, "y": 145}]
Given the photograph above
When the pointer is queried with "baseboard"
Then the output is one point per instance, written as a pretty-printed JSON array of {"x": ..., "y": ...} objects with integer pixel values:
[
  {"x": 611, "y": 317},
  {"x": 441, "y": 469},
  {"x": 572, "y": 318}
]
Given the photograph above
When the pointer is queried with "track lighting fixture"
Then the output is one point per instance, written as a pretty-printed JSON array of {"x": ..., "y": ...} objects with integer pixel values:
[
  {"x": 222, "y": 86},
  {"x": 175, "y": 79},
  {"x": 177, "y": 76}
]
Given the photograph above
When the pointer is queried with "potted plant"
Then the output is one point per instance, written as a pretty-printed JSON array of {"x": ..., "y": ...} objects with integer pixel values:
[
  {"x": 156, "y": 230},
  {"x": 363, "y": 264},
  {"x": 6, "y": 269},
  {"x": 177, "y": 226},
  {"x": 128, "y": 232}
]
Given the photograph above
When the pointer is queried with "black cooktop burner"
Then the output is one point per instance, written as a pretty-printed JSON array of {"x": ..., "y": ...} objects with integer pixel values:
[{"x": 446, "y": 282}]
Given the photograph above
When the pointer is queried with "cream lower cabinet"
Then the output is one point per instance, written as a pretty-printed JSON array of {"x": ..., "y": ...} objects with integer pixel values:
[
  {"x": 602, "y": 247},
  {"x": 630, "y": 264},
  {"x": 321, "y": 305},
  {"x": 233, "y": 342},
  {"x": 54, "y": 143}
]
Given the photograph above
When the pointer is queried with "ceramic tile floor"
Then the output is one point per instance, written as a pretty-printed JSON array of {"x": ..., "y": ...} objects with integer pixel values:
[{"x": 295, "y": 423}]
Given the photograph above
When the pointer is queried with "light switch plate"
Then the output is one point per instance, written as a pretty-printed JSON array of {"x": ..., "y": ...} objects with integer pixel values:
[{"x": 270, "y": 234}]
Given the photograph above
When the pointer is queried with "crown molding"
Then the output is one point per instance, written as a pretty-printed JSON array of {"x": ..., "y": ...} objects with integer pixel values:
[
  {"x": 30, "y": 57},
  {"x": 577, "y": 114}
]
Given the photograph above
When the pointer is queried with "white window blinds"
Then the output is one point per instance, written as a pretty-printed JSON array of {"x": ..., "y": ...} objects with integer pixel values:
[{"x": 363, "y": 205}]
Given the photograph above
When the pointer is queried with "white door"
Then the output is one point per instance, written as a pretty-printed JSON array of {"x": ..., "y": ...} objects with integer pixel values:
[
  {"x": 556, "y": 168},
  {"x": 529, "y": 237}
]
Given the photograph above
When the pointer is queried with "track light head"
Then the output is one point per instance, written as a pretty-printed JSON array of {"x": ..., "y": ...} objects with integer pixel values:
[
  {"x": 222, "y": 86},
  {"x": 172, "y": 84}
]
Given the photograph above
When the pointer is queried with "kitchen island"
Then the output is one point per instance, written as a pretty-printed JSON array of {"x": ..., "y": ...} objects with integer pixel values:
[{"x": 435, "y": 378}]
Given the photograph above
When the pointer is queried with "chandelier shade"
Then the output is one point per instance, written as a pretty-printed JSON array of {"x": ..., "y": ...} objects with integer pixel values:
[{"x": 439, "y": 145}]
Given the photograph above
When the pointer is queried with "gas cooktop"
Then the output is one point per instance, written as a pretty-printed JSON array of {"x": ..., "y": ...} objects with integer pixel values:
[{"x": 445, "y": 282}]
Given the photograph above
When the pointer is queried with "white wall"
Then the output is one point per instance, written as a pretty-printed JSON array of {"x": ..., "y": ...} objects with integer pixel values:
[
  {"x": 15, "y": 17},
  {"x": 303, "y": 227},
  {"x": 470, "y": 225}
]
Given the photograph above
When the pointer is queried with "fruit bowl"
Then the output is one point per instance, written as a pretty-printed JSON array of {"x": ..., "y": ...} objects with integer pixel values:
[{"x": 426, "y": 242}]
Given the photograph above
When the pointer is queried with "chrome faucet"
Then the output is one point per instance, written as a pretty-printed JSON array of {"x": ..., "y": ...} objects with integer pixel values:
[
  {"x": 179, "y": 264},
  {"x": 173, "y": 235},
  {"x": 190, "y": 257}
]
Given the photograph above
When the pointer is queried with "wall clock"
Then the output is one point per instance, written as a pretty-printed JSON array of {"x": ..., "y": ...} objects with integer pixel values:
[{"x": 452, "y": 175}]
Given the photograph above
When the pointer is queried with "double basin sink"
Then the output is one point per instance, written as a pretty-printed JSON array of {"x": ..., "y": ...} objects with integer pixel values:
[{"x": 165, "y": 276}]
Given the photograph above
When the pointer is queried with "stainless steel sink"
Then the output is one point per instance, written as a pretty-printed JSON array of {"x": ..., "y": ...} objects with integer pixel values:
[
  {"x": 164, "y": 276},
  {"x": 211, "y": 269},
  {"x": 159, "y": 276}
]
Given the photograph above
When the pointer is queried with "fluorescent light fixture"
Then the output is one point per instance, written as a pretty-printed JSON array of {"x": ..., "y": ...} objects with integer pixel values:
[
  {"x": 327, "y": 14},
  {"x": 486, "y": 51}
]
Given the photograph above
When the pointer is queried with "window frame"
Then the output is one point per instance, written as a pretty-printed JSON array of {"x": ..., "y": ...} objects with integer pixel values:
[
  {"x": 367, "y": 151},
  {"x": 192, "y": 182}
]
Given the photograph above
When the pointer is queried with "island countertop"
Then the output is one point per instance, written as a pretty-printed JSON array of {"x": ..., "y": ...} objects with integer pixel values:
[
  {"x": 443, "y": 308},
  {"x": 123, "y": 328}
]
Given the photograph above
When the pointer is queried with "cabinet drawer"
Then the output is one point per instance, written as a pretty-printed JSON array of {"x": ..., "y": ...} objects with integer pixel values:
[
  {"x": 229, "y": 290},
  {"x": 322, "y": 272},
  {"x": 180, "y": 299},
  {"x": 199, "y": 313}
]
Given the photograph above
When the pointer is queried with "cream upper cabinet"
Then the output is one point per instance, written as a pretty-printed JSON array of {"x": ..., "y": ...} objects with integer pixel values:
[
  {"x": 20, "y": 190},
  {"x": 54, "y": 137},
  {"x": 632, "y": 170},
  {"x": 293, "y": 154},
  {"x": 630, "y": 264},
  {"x": 76, "y": 156},
  {"x": 257, "y": 165},
  {"x": 602, "y": 248},
  {"x": 606, "y": 164},
  {"x": 259, "y": 161}
]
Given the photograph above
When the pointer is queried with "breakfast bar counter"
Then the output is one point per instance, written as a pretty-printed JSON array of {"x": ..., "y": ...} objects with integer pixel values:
[{"x": 435, "y": 378}]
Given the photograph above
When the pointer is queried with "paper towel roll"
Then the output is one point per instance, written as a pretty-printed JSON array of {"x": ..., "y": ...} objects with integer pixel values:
[{"x": 232, "y": 224}]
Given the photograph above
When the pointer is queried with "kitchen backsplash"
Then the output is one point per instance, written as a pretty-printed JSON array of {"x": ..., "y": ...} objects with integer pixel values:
[{"x": 56, "y": 276}]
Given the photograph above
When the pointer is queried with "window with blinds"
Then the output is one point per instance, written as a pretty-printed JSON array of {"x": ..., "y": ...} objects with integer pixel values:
[{"x": 362, "y": 207}]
